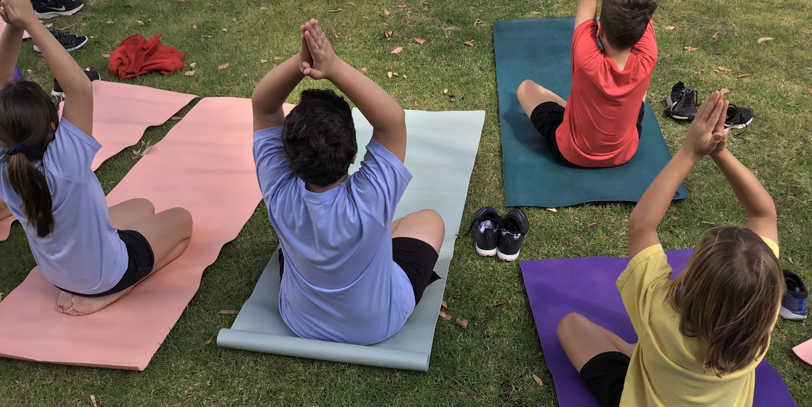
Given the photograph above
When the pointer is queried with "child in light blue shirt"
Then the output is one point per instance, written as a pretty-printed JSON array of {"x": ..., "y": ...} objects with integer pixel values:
[
  {"x": 92, "y": 254},
  {"x": 350, "y": 273}
]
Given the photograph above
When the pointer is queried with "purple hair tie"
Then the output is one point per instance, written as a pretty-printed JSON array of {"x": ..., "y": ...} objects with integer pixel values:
[{"x": 19, "y": 148}]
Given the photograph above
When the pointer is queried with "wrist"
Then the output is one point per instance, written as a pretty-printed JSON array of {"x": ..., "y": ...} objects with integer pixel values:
[
  {"x": 720, "y": 155},
  {"x": 336, "y": 69},
  {"x": 687, "y": 154}
]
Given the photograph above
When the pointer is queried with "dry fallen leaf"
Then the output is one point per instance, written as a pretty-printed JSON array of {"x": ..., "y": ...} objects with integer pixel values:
[
  {"x": 536, "y": 378},
  {"x": 444, "y": 304},
  {"x": 442, "y": 314},
  {"x": 190, "y": 73},
  {"x": 397, "y": 50},
  {"x": 553, "y": 210},
  {"x": 389, "y": 74},
  {"x": 724, "y": 68},
  {"x": 669, "y": 28},
  {"x": 809, "y": 90},
  {"x": 675, "y": 217},
  {"x": 175, "y": 118},
  {"x": 764, "y": 39},
  {"x": 395, "y": 73},
  {"x": 401, "y": 6},
  {"x": 591, "y": 226},
  {"x": 469, "y": 43},
  {"x": 352, "y": 3},
  {"x": 225, "y": 30},
  {"x": 385, "y": 11},
  {"x": 715, "y": 36},
  {"x": 109, "y": 21},
  {"x": 228, "y": 312},
  {"x": 445, "y": 91},
  {"x": 1, "y": 296},
  {"x": 263, "y": 8},
  {"x": 93, "y": 400},
  {"x": 724, "y": 91},
  {"x": 194, "y": 26},
  {"x": 420, "y": 41},
  {"x": 690, "y": 48},
  {"x": 463, "y": 323},
  {"x": 221, "y": 67},
  {"x": 106, "y": 56},
  {"x": 743, "y": 76},
  {"x": 262, "y": 61},
  {"x": 234, "y": 20},
  {"x": 364, "y": 70},
  {"x": 193, "y": 65},
  {"x": 141, "y": 23}
]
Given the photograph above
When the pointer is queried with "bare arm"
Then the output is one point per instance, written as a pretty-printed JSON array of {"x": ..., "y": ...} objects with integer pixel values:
[
  {"x": 4, "y": 212},
  {"x": 762, "y": 217},
  {"x": 272, "y": 91},
  {"x": 587, "y": 10},
  {"x": 700, "y": 141},
  {"x": 78, "y": 89},
  {"x": 386, "y": 116},
  {"x": 10, "y": 42}
]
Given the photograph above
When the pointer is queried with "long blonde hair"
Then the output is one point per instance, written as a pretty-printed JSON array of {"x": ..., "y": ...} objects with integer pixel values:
[{"x": 728, "y": 297}]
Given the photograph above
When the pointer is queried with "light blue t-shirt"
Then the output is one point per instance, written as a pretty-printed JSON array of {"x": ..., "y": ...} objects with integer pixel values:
[
  {"x": 84, "y": 253},
  {"x": 340, "y": 282}
]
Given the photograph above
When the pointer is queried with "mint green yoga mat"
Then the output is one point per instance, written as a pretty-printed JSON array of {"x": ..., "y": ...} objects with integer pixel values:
[
  {"x": 539, "y": 49},
  {"x": 440, "y": 154}
]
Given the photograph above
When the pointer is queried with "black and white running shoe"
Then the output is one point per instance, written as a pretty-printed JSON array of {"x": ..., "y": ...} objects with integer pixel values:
[
  {"x": 486, "y": 221},
  {"x": 60, "y": 95},
  {"x": 681, "y": 103},
  {"x": 45, "y": 9},
  {"x": 738, "y": 117},
  {"x": 515, "y": 226},
  {"x": 69, "y": 41}
]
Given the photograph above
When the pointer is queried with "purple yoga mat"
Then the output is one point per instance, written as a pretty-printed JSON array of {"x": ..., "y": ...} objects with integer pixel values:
[
  {"x": 17, "y": 75},
  {"x": 587, "y": 286}
]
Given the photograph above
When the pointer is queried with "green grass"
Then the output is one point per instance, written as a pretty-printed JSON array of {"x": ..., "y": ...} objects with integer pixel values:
[{"x": 496, "y": 356}]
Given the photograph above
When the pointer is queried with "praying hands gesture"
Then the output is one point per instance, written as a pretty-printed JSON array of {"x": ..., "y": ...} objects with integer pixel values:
[
  {"x": 707, "y": 133},
  {"x": 317, "y": 55}
]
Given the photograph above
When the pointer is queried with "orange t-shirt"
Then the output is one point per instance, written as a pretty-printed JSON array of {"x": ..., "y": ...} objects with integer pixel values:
[{"x": 599, "y": 128}]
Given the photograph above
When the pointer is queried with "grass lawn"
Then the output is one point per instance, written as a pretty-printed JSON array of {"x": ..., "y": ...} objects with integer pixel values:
[{"x": 495, "y": 357}]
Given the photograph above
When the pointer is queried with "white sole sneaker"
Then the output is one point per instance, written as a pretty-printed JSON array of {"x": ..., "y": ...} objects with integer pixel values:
[
  {"x": 671, "y": 104},
  {"x": 80, "y": 45},
  {"x": 508, "y": 257},
  {"x": 787, "y": 314},
  {"x": 485, "y": 253},
  {"x": 52, "y": 14},
  {"x": 739, "y": 126}
]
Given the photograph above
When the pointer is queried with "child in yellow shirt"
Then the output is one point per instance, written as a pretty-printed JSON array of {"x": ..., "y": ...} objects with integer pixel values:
[{"x": 700, "y": 336}]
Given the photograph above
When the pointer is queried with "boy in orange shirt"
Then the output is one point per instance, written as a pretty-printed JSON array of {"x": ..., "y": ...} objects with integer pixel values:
[{"x": 601, "y": 124}]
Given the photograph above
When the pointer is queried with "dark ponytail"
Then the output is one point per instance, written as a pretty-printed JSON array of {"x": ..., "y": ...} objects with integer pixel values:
[{"x": 28, "y": 118}]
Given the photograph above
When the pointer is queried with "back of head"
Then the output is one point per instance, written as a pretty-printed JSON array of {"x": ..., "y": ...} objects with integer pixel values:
[
  {"x": 28, "y": 118},
  {"x": 625, "y": 21},
  {"x": 319, "y": 138},
  {"x": 728, "y": 297}
]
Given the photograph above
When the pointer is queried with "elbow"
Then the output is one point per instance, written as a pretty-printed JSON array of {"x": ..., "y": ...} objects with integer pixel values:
[{"x": 637, "y": 224}]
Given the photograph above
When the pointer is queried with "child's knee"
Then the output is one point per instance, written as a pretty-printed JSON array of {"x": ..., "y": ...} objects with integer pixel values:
[
  {"x": 183, "y": 219},
  {"x": 431, "y": 217},
  {"x": 144, "y": 205},
  {"x": 568, "y": 322},
  {"x": 525, "y": 86}
]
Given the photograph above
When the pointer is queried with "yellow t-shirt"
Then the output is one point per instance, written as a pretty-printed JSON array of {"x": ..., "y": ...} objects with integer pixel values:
[{"x": 666, "y": 368}]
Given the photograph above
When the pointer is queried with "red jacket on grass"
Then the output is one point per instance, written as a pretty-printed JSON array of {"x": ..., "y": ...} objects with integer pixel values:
[{"x": 137, "y": 56}]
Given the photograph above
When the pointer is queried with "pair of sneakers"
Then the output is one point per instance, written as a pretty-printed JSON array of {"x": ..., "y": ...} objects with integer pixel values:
[
  {"x": 681, "y": 105},
  {"x": 500, "y": 236},
  {"x": 45, "y": 9},
  {"x": 60, "y": 94},
  {"x": 795, "y": 302}
]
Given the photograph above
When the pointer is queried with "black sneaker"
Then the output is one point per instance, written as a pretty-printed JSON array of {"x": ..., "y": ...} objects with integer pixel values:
[
  {"x": 681, "y": 103},
  {"x": 738, "y": 117},
  {"x": 57, "y": 91},
  {"x": 45, "y": 9},
  {"x": 515, "y": 226},
  {"x": 69, "y": 41},
  {"x": 795, "y": 302},
  {"x": 486, "y": 221}
]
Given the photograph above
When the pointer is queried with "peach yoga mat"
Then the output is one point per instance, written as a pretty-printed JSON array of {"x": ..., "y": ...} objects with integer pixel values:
[
  {"x": 121, "y": 114},
  {"x": 804, "y": 351},
  {"x": 204, "y": 164}
]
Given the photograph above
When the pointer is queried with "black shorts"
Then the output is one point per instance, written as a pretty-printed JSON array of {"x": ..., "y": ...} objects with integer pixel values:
[
  {"x": 605, "y": 375},
  {"x": 546, "y": 118},
  {"x": 416, "y": 257},
  {"x": 140, "y": 259}
]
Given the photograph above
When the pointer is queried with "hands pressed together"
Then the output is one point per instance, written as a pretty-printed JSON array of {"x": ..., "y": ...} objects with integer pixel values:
[
  {"x": 18, "y": 13},
  {"x": 318, "y": 60},
  {"x": 707, "y": 135}
]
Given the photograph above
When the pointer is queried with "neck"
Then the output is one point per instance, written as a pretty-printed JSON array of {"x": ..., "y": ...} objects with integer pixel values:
[
  {"x": 320, "y": 189},
  {"x": 619, "y": 56}
]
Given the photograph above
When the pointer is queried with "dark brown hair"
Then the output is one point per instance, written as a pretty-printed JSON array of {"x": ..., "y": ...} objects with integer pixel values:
[
  {"x": 28, "y": 117},
  {"x": 625, "y": 21},
  {"x": 319, "y": 137},
  {"x": 728, "y": 297}
]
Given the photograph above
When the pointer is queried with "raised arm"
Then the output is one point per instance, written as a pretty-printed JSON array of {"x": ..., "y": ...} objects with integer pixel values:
[
  {"x": 700, "y": 141},
  {"x": 10, "y": 41},
  {"x": 78, "y": 90},
  {"x": 273, "y": 90},
  {"x": 762, "y": 217},
  {"x": 587, "y": 10},
  {"x": 386, "y": 116}
]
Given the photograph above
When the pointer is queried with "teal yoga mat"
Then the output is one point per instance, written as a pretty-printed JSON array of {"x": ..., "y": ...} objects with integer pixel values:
[
  {"x": 440, "y": 154},
  {"x": 539, "y": 49}
]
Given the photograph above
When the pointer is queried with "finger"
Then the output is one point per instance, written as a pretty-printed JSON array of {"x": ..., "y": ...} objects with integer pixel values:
[
  {"x": 306, "y": 65},
  {"x": 713, "y": 118},
  {"x": 720, "y": 122},
  {"x": 708, "y": 105},
  {"x": 311, "y": 43}
]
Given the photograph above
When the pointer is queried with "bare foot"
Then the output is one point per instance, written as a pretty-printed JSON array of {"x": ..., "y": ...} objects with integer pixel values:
[{"x": 77, "y": 306}]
